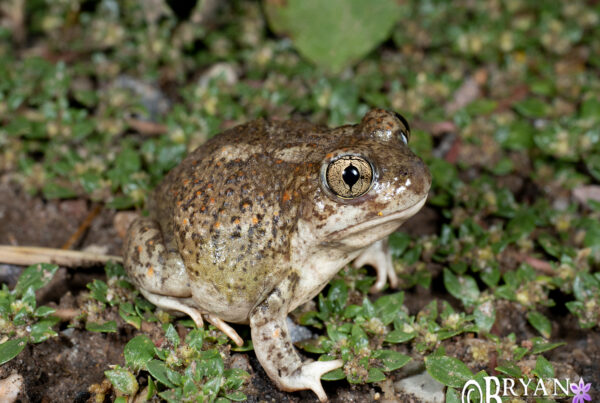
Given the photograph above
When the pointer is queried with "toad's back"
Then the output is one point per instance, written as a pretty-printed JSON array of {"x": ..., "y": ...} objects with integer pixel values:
[{"x": 231, "y": 206}]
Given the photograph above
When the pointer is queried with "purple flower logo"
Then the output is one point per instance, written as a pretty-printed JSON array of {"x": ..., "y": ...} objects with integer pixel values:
[{"x": 581, "y": 391}]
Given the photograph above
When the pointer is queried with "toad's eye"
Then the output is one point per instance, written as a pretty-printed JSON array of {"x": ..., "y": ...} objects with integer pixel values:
[{"x": 349, "y": 176}]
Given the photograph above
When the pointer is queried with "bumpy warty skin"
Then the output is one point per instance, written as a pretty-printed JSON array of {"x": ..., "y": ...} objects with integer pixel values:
[
  {"x": 248, "y": 226},
  {"x": 234, "y": 204}
]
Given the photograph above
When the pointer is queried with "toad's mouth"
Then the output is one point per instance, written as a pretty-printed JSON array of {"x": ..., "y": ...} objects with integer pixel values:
[{"x": 387, "y": 224}]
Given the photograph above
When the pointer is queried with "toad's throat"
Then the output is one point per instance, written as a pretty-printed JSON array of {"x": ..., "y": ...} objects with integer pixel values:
[{"x": 392, "y": 221}]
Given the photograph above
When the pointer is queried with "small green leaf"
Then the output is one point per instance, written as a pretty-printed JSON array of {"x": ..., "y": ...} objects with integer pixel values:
[
  {"x": 314, "y": 346},
  {"x": 113, "y": 269},
  {"x": 448, "y": 370},
  {"x": 122, "y": 380},
  {"x": 358, "y": 338},
  {"x": 42, "y": 330},
  {"x": 452, "y": 396},
  {"x": 210, "y": 363},
  {"x": 461, "y": 287},
  {"x": 138, "y": 351},
  {"x": 172, "y": 336},
  {"x": 337, "y": 295},
  {"x": 485, "y": 316},
  {"x": 99, "y": 290},
  {"x": 592, "y": 163},
  {"x": 532, "y": 108},
  {"x": 195, "y": 339},
  {"x": 11, "y": 348},
  {"x": 234, "y": 378},
  {"x": 106, "y": 327},
  {"x": 53, "y": 190},
  {"x": 43, "y": 311},
  {"x": 236, "y": 396},
  {"x": 510, "y": 369},
  {"x": 128, "y": 314},
  {"x": 212, "y": 386},
  {"x": 159, "y": 371},
  {"x": 375, "y": 375},
  {"x": 550, "y": 244},
  {"x": 543, "y": 347},
  {"x": 388, "y": 306},
  {"x": 403, "y": 332},
  {"x": 540, "y": 323},
  {"x": 368, "y": 308},
  {"x": 391, "y": 360},
  {"x": 35, "y": 276},
  {"x": 335, "y": 375},
  {"x": 517, "y": 136},
  {"x": 543, "y": 368}
]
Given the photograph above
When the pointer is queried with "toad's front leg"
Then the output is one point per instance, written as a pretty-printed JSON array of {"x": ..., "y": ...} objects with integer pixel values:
[
  {"x": 378, "y": 255},
  {"x": 274, "y": 348}
]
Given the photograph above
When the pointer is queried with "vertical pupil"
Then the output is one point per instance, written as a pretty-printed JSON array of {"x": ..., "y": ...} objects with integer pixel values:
[{"x": 350, "y": 175}]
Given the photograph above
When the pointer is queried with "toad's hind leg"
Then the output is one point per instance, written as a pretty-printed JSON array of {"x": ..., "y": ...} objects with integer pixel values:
[
  {"x": 157, "y": 269},
  {"x": 274, "y": 349}
]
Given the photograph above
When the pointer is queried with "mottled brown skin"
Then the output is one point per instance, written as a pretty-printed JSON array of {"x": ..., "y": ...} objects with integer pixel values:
[{"x": 247, "y": 228}]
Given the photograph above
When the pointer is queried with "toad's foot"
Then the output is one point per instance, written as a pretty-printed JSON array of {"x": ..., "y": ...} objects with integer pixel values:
[
  {"x": 174, "y": 304},
  {"x": 183, "y": 305},
  {"x": 274, "y": 349},
  {"x": 379, "y": 256},
  {"x": 308, "y": 376},
  {"x": 225, "y": 328}
]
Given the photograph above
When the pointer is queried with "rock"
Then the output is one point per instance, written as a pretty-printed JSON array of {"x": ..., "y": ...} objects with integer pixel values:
[
  {"x": 423, "y": 387},
  {"x": 10, "y": 388},
  {"x": 297, "y": 332}
]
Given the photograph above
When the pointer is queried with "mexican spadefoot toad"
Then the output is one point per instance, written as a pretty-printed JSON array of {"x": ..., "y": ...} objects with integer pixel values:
[{"x": 257, "y": 221}]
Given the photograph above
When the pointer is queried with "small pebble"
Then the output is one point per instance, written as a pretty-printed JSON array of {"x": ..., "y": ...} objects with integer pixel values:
[{"x": 10, "y": 388}]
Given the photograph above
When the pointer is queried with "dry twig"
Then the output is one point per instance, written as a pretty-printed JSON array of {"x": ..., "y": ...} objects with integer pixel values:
[{"x": 28, "y": 255}]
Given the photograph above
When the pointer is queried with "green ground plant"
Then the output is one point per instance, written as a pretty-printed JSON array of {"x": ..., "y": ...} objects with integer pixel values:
[{"x": 508, "y": 164}]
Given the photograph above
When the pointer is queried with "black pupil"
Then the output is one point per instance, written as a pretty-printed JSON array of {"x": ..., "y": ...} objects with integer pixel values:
[{"x": 350, "y": 175}]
